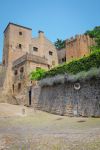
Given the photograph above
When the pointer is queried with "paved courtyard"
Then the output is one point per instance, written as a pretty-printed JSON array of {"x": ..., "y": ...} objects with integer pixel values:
[{"x": 23, "y": 128}]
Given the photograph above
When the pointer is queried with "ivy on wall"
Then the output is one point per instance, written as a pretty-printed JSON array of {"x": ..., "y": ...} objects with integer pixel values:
[{"x": 73, "y": 67}]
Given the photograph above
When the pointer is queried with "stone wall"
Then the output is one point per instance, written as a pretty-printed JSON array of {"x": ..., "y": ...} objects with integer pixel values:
[
  {"x": 61, "y": 55},
  {"x": 3, "y": 71},
  {"x": 67, "y": 99},
  {"x": 1, "y": 76}
]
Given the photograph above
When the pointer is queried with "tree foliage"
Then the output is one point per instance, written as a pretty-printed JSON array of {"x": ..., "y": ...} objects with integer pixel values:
[
  {"x": 59, "y": 44},
  {"x": 95, "y": 33}
]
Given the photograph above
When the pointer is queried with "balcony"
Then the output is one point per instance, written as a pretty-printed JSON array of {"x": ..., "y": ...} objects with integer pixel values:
[{"x": 30, "y": 57}]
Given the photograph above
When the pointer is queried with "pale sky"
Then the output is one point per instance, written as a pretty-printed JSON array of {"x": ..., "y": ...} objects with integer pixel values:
[{"x": 57, "y": 18}]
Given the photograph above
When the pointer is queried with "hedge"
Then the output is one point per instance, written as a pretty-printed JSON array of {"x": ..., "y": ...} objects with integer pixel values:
[
  {"x": 76, "y": 66},
  {"x": 73, "y": 67}
]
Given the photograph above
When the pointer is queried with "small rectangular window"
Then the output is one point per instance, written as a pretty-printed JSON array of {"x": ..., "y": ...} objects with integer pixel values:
[
  {"x": 19, "y": 86},
  {"x": 35, "y": 49},
  {"x": 50, "y": 53},
  {"x": 20, "y": 33},
  {"x": 22, "y": 69},
  {"x": 3, "y": 62},
  {"x": 20, "y": 46},
  {"x": 15, "y": 72}
]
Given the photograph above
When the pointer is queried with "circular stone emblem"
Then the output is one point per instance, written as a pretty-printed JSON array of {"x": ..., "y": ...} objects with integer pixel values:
[{"x": 77, "y": 86}]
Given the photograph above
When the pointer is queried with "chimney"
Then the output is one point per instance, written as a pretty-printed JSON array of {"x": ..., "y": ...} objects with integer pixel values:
[{"x": 41, "y": 34}]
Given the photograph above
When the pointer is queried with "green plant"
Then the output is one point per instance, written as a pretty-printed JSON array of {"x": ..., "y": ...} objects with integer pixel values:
[
  {"x": 95, "y": 34},
  {"x": 76, "y": 66},
  {"x": 59, "y": 44},
  {"x": 38, "y": 74}
]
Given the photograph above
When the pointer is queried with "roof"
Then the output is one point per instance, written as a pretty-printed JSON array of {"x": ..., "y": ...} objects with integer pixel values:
[{"x": 17, "y": 26}]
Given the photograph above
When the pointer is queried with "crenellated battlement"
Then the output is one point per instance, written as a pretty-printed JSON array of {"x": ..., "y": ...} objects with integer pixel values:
[
  {"x": 77, "y": 37},
  {"x": 78, "y": 46}
]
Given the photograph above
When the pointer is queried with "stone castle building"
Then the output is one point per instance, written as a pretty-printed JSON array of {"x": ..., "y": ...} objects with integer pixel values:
[
  {"x": 78, "y": 47},
  {"x": 22, "y": 54},
  {"x": 75, "y": 48}
]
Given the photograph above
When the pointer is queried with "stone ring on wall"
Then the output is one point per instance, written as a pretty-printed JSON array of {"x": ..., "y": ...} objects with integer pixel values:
[{"x": 77, "y": 86}]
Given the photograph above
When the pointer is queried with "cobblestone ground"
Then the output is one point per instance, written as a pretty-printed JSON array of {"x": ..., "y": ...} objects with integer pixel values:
[{"x": 23, "y": 128}]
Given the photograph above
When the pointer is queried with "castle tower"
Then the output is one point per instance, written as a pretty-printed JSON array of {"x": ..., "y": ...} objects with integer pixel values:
[
  {"x": 78, "y": 47},
  {"x": 21, "y": 50},
  {"x": 16, "y": 42}
]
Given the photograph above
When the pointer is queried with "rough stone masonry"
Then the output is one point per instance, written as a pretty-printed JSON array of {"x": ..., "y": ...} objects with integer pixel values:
[{"x": 80, "y": 98}]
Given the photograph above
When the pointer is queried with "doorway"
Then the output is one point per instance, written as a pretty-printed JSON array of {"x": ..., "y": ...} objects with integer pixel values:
[
  {"x": 30, "y": 97},
  {"x": 13, "y": 88}
]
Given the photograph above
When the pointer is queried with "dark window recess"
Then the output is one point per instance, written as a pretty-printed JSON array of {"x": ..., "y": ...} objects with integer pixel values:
[
  {"x": 22, "y": 69},
  {"x": 64, "y": 59},
  {"x": 35, "y": 49},
  {"x": 3, "y": 62},
  {"x": 13, "y": 88},
  {"x": 20, "y": 46},
  {"x": 15, "y": 72},
  {"x": 37, "y": 68},
  {"x": 20, "y": 33},
  {"x": 48, "y": 66},
  {"x": 19, "y": 86},
  {"x": 50, "y": 53}
]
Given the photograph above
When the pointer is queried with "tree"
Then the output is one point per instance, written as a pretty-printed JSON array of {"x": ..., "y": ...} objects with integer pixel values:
[
  {"x": 59, "y": 44},
  {"x": 95, "y": 33}
]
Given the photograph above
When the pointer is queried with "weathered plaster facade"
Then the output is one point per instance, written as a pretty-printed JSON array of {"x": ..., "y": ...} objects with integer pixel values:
[
  {"x": 22, "y": 51},
  {"x": 61, "y": 55}
]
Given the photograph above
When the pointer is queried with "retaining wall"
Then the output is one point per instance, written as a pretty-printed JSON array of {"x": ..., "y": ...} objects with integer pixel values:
[{"x": 66, "y": 99}]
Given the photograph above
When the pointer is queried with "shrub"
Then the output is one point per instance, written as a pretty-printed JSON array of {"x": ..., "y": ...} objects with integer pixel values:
[
  {"x": 95, "y": 33},
  {"x": 37, "y": 75},
  {"x": 73, "y": 67},
  {"x": 61, "y": 79},
  {"x": 76, "y": 66}
]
